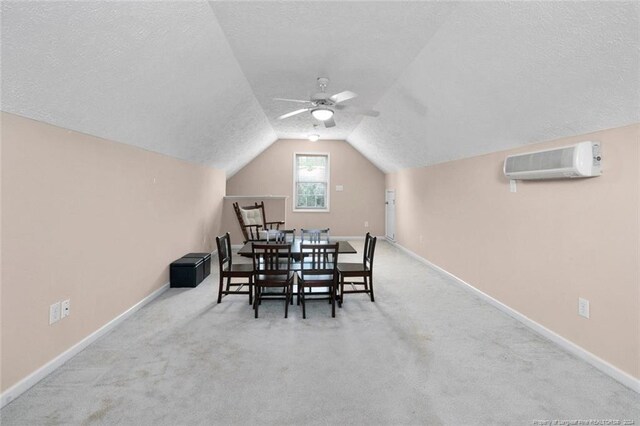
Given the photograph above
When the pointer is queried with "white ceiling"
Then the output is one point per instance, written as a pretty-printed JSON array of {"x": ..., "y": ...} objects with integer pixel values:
[
  {"x": 158, "y": 75},
  {"x": 363, "y": 47},
  {"x": 195, "y": 80},
  {"x": 499, "y": 75}
]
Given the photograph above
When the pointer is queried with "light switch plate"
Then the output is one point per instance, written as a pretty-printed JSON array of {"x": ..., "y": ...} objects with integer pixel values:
[
  {"x": 339, "y": 188},
  {"x": 583, "y": 307},
  {"x": 54, "y": 313}
]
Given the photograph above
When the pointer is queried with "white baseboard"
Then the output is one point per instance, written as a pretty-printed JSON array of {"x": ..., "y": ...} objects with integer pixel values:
[
  {"x": 602, "y": 365},
  {"x": 23, "y": 385}
]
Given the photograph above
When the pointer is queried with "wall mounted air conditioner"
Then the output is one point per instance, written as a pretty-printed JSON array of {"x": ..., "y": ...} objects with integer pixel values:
[{"x": 575, "y": 161}]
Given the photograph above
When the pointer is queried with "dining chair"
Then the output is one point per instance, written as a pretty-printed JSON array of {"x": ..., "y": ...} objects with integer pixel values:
[
  {"x": 362, "y": 270},
  {"x": 229, "y": 271},
  {"x": 287, "y": 236},
  {"x": 319, "y": 270},
  {"x": 271, "y": 271},
  {"x": 284, "y": 236},
  {"x": 314, "y": 235}
]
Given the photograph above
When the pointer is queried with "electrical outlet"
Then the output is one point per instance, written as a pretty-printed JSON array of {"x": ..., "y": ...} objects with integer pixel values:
[
  {"x": 583, "y": 307},
  {"x": 66, "y": 308},
  {"x": 54, "y": 313},
  {"x": 366, "y": 224},
  {"x": 513, "y": 186}
]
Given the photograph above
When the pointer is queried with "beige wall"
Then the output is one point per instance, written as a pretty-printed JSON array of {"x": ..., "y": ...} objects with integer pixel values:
[
  {"x": 539, "y": 249},
  {"x": 271, "y": 173},
  {"x": 94, "y": 221}
]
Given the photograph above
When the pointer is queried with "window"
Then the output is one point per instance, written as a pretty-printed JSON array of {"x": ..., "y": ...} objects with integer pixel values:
[{"x": 311, "y": 182}]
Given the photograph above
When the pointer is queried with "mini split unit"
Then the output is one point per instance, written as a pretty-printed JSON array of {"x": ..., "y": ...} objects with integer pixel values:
[{"x": 576, "y": 161}]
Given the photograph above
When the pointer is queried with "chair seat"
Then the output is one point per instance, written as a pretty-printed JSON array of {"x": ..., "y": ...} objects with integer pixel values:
[
  {"x": 299, "y": 266},
  {"x": 240, "y": 269},
  {"x": 309, "y": 265},
  {"x": 274, "y": 280},
  {"x": 313, "y": 279},
  {"x": 352, "y": 268}
]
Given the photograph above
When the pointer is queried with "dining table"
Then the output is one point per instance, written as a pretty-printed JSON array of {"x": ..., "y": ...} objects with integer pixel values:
[{"x": 344, "y": 247}]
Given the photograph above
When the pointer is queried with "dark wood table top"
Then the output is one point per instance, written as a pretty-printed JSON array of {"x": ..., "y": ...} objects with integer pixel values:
[{"x": 344, "y": 247}]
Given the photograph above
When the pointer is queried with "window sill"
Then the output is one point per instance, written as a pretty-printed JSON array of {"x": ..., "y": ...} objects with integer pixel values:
[
  {"x": 266, "y": 197},
  {"x": 311, "y": 210}
]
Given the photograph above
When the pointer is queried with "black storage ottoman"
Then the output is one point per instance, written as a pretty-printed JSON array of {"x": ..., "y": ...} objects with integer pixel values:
[
  {"x": 186, "y": 272},
  {"x": 207, "y": 261}
]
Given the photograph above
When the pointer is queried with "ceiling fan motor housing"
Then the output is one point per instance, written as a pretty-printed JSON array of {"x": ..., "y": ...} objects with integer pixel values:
[{"x": 321, "y": 98}]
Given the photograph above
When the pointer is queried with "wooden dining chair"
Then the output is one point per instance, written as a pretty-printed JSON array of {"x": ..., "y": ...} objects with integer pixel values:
[
  {"x": 253, "y": 222},
  {"x": 229, "y": 271},
  {"x": 284, "y": 236},
  {"x": 314, "y": 235},
  {"x": 319, "y": 269},
  {"x": 287, "y": 236},
  {"x": 271, "y": 271},
  {"x": 362, "y": 270}
]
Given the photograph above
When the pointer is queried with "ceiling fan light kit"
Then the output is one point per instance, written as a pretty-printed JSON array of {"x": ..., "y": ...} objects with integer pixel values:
[
  {"x": 322, "y": 114},
  {"x": 322, "y": 106}
]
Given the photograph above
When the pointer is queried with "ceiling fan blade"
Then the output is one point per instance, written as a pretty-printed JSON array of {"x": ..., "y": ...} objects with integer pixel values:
[
  {"x": 358, "y": 110},
  {"x": 342, "y": 96},
  {"x": 292, "y": 113},
  {"x": 329, "y": 123},
  {"x": 300, "y": 101}
]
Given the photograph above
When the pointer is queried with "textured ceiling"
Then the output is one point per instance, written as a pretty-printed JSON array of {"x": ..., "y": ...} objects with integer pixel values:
[
  {"x": 158, "y": 75},
  {"x": 360, "y": 46},
  {"x": 500, "y": 75},
  {"x": 195, "y": 80}
]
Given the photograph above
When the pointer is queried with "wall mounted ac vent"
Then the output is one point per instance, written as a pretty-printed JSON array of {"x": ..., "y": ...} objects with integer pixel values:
[{"x": 576, "y": 161}]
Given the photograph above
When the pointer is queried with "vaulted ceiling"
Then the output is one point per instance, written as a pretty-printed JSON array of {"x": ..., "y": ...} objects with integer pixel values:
[{"x": 196, "y": 80}]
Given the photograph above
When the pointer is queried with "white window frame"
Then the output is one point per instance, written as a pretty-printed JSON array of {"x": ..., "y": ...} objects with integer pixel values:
[{"x": 295, "y": 183}]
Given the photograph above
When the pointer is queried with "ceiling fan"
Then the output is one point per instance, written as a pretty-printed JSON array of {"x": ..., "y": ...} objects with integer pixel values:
[{"x": 322, "y": 106}]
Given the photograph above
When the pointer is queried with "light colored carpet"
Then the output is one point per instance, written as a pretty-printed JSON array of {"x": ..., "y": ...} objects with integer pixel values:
[{"x": 426, "y": 352}]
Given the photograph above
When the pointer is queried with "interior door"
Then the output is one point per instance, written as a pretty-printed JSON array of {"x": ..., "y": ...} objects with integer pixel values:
[{"x": 390, "y": 214}]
